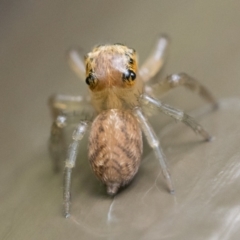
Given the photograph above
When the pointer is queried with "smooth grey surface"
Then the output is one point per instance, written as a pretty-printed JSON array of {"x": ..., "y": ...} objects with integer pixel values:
[{"x": 205, "y": 36}]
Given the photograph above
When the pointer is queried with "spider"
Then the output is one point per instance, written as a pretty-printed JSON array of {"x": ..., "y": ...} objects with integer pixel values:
[{"x": 115, "y": 113}]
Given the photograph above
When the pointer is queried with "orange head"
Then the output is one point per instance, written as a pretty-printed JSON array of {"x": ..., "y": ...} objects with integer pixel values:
[{"x": 110, "y": 66}]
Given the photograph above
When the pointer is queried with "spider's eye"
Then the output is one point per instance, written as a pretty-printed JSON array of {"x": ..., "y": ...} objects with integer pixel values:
[
  {"x": 90, "y": 80},
  {"x": 129, "y": 75}
]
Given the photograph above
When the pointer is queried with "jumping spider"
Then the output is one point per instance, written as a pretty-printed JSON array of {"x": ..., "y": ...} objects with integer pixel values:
[{"x": 119, "y": 91}]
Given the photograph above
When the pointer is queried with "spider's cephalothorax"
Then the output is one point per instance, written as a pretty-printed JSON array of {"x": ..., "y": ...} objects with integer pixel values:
[
  {"x": 111, "y": 73},
  {"x": 120, "y": 95}
]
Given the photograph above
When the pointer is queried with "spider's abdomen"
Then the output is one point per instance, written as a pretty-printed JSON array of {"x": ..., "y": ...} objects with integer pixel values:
[{"x": 115, "y": 148}]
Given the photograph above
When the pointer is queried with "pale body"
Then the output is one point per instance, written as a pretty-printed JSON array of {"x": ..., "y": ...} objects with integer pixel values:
[{"x": 115, "y": 142}]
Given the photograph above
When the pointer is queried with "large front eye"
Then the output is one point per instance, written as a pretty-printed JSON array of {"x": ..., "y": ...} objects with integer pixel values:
[
  {"x": 90, "y": 80},
  {"x": 129, "y": 75}
]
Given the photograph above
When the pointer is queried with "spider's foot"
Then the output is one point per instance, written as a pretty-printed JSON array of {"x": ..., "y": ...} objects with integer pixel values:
[
  {"x": 172, "y": 191},
  {"x": 216, "y": 106},
  {"x": 67, "y": 215},
  {"x": 210, "y": 139}
]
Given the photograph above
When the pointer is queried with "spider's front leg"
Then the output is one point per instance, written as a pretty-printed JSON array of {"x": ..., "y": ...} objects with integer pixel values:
[
  {"x": 177, "y": 114},
  {"x": 153, "y": 141},
  {"x": 155, "y": 61},
  {"x": 77, "y": 64},
  {"x": 70, "y": 163}
]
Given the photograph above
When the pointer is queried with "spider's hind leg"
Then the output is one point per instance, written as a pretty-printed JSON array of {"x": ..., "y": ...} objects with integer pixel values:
[
  {"x": 154, "y": 143},
  {"x": 77, "y": 136},
  {"x": 56, "y": 141}
]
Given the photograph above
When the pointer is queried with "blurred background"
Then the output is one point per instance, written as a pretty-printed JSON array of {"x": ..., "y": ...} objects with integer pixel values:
[{"x": 205, "y": 42}]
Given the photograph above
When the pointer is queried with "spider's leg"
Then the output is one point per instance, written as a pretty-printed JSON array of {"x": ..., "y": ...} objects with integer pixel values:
[
  {"x": 66, "y": 103},
  {"x": 177, "y": 114},
  {"x": 77, "y": 64},
  {"x": 154, "y": 143},
  {"x": 56, "y": 140},
  {"x": 155, "y": 61},
  {"x": 65, "y": 109},
  {"x": 70, "y": 163},
  {"x": 183, "y": 79}
]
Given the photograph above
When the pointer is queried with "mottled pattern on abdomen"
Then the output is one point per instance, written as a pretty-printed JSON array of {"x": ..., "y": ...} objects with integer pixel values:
[{"x": 115, "y": 148}]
